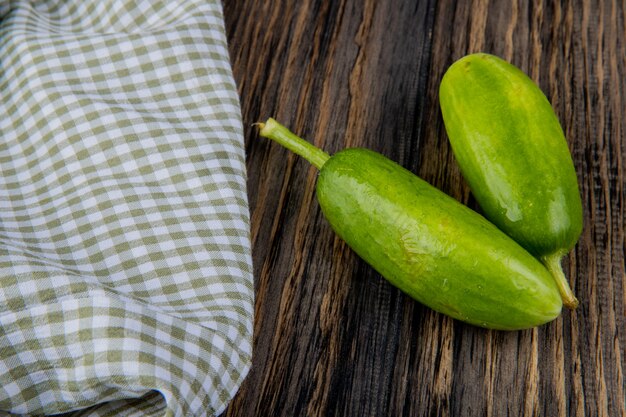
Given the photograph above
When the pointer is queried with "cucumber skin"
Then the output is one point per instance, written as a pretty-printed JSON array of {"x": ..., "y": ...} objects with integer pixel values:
[
  {"x": 512, "y": 151},
  {"x": 432, "y": 247}
]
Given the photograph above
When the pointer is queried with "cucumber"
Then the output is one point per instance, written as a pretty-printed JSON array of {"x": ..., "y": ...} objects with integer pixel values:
[
  {"x": 426, "y": 243},
  {"x": 511, "y": 150}
]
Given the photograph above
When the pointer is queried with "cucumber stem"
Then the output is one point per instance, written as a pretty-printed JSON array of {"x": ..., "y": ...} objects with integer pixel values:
[
  {"x": 553, "y": 263},
  {"x": 273, "y": 130}
]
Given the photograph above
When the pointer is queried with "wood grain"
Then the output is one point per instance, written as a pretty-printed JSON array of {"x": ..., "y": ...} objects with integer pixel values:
[{"x": 332, "y": 338}]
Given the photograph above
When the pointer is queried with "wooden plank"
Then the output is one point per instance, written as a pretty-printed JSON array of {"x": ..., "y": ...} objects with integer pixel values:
[{"x": 331, "y": 336}]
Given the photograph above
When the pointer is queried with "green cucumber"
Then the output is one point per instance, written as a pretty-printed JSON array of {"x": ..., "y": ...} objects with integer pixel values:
[
  {"x": 424, "y": 242},
  {"x": 511, "y": 150}
]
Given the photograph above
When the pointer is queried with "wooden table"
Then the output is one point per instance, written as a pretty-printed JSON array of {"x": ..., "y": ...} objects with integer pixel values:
[{"x": 332, "y": 338}]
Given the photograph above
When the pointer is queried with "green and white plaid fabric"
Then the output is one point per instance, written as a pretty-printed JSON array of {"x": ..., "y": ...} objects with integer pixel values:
[{"x": 125, "y": 271}]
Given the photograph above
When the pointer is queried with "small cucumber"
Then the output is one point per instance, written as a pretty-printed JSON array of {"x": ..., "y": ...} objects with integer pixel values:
[
  {"x": 424, "y": 242},
  {"x": 511, "y": 150}
]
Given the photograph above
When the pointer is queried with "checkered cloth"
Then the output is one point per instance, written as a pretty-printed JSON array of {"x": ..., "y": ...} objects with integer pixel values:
[{"x": 125, "y": 270}]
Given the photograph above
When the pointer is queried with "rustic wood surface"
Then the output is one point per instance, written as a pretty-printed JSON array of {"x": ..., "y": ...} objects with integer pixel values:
[{"x": 332, "y": 338}]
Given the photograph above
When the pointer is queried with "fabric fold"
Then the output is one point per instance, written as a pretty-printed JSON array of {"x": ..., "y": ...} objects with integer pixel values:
[{"x": 126, "y": 284}]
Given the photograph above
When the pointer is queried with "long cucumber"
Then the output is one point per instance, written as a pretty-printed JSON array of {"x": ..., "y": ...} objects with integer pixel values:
[{"x": 424, "y": 242}]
